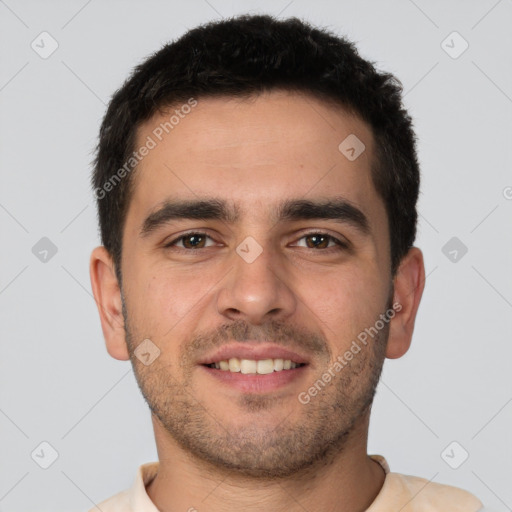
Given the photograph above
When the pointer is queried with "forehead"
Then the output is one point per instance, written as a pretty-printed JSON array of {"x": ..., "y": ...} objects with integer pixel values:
[{"x": 254, "y": 151}]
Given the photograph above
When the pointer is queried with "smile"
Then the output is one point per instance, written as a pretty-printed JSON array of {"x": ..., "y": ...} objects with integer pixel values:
[{"x": 252, "y": 366}]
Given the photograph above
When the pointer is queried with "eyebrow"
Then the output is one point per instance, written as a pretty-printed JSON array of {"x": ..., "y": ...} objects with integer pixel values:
[{"x": 338, "y": 209}]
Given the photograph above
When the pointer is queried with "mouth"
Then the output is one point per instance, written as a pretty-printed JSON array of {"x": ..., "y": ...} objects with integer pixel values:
[
  {"x": 254, "y": 366},
  {"x": 248, "y": 380}
]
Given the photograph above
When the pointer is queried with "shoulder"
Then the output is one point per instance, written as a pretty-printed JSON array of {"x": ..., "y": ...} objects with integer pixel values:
[
  {"x": 423, "y": 495},
  {"x": 120, "y": 502},
  {"x": 135, "y": 498}
]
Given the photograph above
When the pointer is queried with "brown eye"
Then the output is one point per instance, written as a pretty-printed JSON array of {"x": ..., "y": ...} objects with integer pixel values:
[
  {"x": 318, "y": 241},
  {"x": 193, "y": 241},
  {"x": 322, "y": 241},
  {"x": 190, "y": 241}
]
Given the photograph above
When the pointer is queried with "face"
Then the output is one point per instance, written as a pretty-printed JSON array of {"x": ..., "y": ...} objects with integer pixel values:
[{"x": 278, "y": 271}]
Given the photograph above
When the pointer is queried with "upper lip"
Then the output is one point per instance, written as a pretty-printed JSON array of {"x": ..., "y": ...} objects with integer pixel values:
[{"x": 246, "y": 350}]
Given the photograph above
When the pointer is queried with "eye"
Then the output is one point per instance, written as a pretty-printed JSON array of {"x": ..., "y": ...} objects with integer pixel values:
[
  {"x": 321, "y": 240},
  {"x": 192, "y": 240},
  {"x": 316, "y": 240}
]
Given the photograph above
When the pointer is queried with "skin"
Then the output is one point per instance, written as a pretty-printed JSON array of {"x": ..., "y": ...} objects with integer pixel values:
[{"x": 219, "y": 448}]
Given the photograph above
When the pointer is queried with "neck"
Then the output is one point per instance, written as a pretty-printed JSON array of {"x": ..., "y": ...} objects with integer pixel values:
[{"x": 347, "y": 480}]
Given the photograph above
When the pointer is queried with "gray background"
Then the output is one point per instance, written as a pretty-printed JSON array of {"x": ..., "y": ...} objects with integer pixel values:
[{"x": 57, "y": 382}]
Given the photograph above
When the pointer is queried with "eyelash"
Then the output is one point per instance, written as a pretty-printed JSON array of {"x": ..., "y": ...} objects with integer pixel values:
[{"x": 340, "y": 244}]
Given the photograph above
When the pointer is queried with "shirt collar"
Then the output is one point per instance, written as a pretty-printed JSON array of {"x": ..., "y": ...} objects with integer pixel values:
[{"x": 138, "y": 497}]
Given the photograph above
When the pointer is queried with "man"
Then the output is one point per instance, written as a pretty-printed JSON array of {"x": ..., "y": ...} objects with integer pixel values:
[{"x": 257, "y": 184}]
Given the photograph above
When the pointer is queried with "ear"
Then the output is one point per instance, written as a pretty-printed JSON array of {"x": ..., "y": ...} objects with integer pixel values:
[
  {"x": 408, "y": 289},
  {"x": 107, "y": 295}
]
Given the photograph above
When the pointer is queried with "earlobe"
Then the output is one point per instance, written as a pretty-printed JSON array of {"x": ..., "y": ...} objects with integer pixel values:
[
  {"x": 409, "y": 283},
  {"x": 107, "y": 295}
]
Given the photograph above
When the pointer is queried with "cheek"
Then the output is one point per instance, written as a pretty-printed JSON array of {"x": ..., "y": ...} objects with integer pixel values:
[
  {"x": 346, "y": 301},
  {"x": 165, "y": 299}
]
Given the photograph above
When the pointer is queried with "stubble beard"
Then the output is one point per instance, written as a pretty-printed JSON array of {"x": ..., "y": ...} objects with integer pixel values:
[{"x": 317, "y": 433}]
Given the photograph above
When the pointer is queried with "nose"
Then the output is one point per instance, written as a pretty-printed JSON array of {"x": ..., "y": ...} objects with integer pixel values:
[{"x": 256, "y": 290}]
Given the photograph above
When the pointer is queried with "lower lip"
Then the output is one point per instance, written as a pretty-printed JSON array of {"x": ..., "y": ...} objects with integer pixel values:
[{"x": 256, "y": 383}]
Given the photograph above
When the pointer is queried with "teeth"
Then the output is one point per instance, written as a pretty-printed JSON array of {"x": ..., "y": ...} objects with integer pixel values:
[
  {"x": 265, "y": 366},
  {"x": 233, "y": 364},
  {"x": 261, "y": 367},
  {"x": 248, "y": 366}
]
